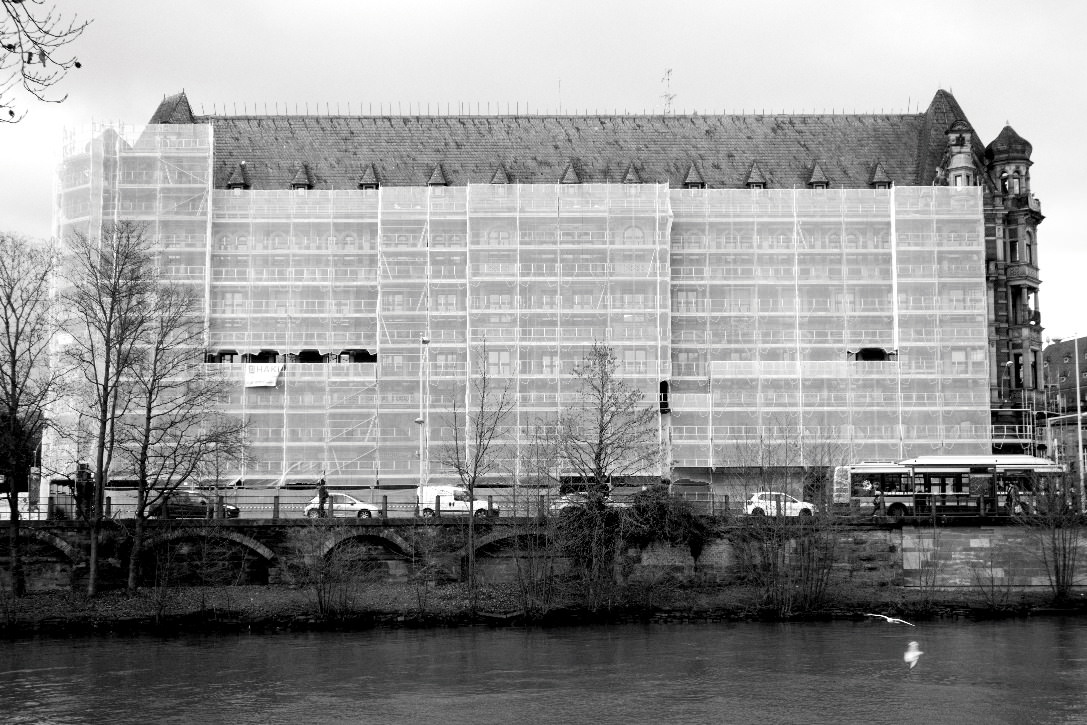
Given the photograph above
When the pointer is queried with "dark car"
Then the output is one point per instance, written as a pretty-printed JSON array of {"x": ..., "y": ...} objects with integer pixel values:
[{"x": 184, "y": 505}]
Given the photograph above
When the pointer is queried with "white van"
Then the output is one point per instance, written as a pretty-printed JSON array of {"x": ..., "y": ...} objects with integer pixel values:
[{"x": 453, "y": 501}]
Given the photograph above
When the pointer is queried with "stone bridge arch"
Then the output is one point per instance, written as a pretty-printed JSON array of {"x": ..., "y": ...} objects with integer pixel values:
[
  {"x": 269, "y": 556},
  {"x": 74, "y": 555},
  {"x": 390, "y": 539},
  {"x": 502, "y": 536}
]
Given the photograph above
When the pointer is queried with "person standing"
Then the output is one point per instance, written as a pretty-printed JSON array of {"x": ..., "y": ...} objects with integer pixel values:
[
  {"x": 1012, "y": 501},
  {"x": 322, "y": 497},
  {"x": 877, "y": 503}
]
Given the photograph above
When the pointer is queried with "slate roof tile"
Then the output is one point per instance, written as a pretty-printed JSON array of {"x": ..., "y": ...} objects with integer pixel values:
[{"x": 592, "y": 148}]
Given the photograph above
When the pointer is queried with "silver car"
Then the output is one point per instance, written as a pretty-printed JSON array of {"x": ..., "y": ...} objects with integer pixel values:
[
  {"x": 342, "y": 505},
  {"x": 775, "y": 503}
]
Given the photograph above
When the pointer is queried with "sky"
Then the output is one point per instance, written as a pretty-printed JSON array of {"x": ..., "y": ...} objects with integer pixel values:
[{"x": 1005, "y": 62}]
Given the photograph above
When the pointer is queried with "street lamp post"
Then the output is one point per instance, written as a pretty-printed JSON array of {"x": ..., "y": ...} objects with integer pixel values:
[
  {"x": 1005, "y": 390},
  {"x": 421, "y": 421}
]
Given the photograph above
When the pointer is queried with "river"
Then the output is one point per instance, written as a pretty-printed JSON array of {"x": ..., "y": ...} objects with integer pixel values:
[{"x": 1022, "y": 671}]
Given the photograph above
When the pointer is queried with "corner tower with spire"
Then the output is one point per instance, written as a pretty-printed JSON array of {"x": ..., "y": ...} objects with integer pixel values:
[{"x": 1015, "y": 335}]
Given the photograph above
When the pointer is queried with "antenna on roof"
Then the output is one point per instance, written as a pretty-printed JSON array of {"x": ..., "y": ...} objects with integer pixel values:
[{"x": 668, "y": 96}]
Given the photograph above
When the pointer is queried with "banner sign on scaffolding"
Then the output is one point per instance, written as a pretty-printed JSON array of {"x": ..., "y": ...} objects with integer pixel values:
[{"x": 262, "y": 375}]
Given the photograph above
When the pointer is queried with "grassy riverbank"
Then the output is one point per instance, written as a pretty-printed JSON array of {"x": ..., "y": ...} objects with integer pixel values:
[{"x": 270, "y": 608}]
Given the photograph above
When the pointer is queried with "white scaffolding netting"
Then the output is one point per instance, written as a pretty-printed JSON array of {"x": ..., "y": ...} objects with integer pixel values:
[{"x": 793, "y": 326}]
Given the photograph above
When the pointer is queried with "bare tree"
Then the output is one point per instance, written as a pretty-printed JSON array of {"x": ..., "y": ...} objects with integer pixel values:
[
  {"x": 472, "y": 453},
  {"x": 34, "y": 40},
  {"x": 610, "y": 435},
  {"x": 108, "y": 304},
  {"x": 28, "y": 383},
  {"x": 1053, "y": 521},
  {"x": 614, "y": 432},
  {"x": 169, "y": 437}
]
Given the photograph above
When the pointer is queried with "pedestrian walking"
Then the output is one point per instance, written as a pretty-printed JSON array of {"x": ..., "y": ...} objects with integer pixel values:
[
  {"x": 322, "y": 496},
  {"x": 877, "y": 504}
]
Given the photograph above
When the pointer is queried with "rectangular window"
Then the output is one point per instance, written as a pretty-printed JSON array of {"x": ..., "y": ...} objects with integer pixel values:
[{"x": 498, "y": 362}]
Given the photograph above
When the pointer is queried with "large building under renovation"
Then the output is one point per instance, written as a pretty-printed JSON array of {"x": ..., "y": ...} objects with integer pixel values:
[{"x": 786, "y": 290}]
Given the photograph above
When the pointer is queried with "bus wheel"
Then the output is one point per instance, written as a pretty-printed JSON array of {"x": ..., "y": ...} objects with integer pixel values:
[{"x": 896, "y": 511}]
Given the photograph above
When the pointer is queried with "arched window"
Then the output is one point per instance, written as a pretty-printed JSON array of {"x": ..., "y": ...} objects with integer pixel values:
[
  {"x": 1015, "y": 183},
  {"x": 633, "y": 235}
]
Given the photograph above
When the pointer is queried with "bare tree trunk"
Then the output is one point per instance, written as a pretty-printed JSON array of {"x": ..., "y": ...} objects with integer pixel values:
[
  {"x": 18, "y": 580},
  {"x": 137, "y": 542}
]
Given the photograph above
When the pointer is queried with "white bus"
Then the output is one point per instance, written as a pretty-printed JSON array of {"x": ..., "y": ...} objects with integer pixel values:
[{"x": 948, "y": 484}]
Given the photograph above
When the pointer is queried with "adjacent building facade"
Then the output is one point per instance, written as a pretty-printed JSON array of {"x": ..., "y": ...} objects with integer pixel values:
[{"x": 786, "y": 291}]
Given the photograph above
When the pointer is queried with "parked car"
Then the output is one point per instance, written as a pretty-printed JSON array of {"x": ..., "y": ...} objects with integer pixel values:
[
  {"x": 580, "y": 499},
  {"x": 454, "y": 500},
  {"x": 185, "y": 505},
  {"x": 775, "y": 503},
  {"x": 342, "y": 505}
]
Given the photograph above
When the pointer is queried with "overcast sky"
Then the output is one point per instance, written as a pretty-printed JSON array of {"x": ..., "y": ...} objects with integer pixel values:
[{"x": 1005, "y": 62}]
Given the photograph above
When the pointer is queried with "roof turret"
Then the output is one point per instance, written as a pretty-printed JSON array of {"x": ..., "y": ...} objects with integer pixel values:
[{"x": 1008, "y": 145}]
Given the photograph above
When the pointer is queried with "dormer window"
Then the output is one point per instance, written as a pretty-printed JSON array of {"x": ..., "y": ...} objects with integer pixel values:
[
  {"x": 239, "y": 179},
  {"x": 879, "y": 178},
  {"x": 818, "y": 180},
  {"x": 693, "y": 178},
  {"x": 756, "y": 185},
  {"x": 368, "y": 180},
  {"x": 302, "y": 180}
]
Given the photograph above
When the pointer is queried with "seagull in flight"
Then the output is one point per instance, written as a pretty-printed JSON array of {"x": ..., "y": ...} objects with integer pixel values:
[
  {"x": 913, "y": 653},
  {"x": 891, "y": 620}
]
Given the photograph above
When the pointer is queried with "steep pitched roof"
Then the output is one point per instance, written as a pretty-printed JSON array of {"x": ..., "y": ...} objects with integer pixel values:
[
  {"x": 173, "y": 109},
  {"x": 369, "y": 176},
  {"x": 500, "y": 176},
  {"x": 302, "y": 177},
  {"x": 879, "y": 175},
  {"x": 569, "y": 174},
  {"x": 437, "y": 176},
  {"x": 755, "y": 175},
  {"x": 404, "y": 150},
  {"x": 693, "y": 177},
  {"x": 938, "y": 118},
  {"x": 239, "y": 177}
]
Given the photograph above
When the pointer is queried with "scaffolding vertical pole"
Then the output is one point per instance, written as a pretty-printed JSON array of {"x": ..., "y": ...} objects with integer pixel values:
[
  {"x": 796, "y": 328},
  {"x": 1079, "y": 423},
  {"x": 208, "y": 241},
  {"x": 519, "y": 320},
  {"x": 895, "y": 339},
  {"x": 379, "y": 321}
]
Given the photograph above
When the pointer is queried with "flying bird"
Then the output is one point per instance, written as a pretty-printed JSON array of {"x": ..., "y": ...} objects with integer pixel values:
[
  {"x": 891, "y": 620},
  {"x": 913, "y": 653}
]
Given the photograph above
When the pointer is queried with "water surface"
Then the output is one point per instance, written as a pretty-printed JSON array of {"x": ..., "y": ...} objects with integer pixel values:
[{"x": 1031, "y": 671}]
